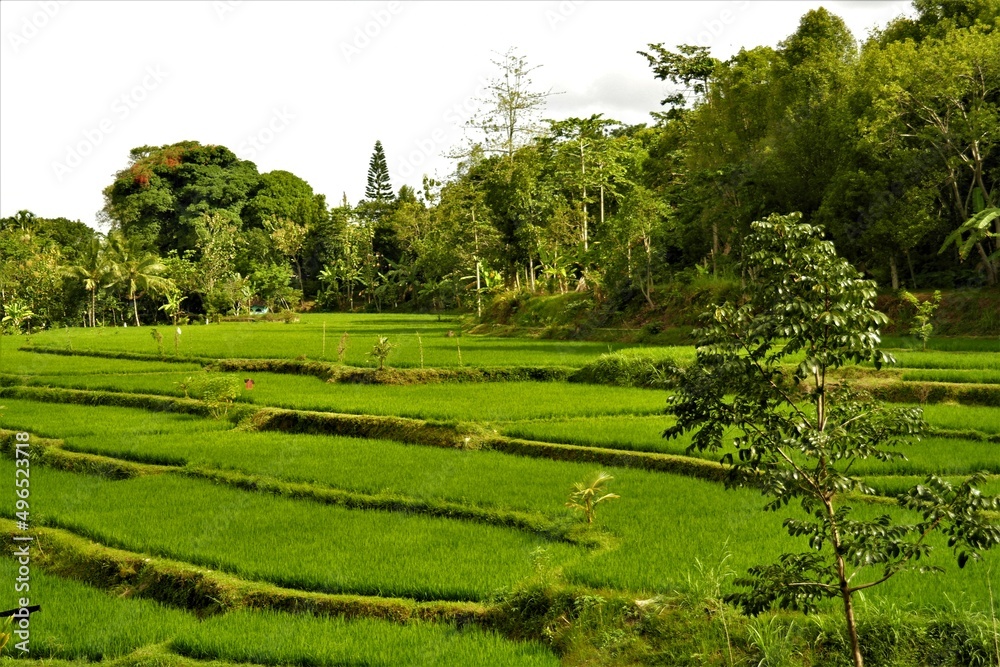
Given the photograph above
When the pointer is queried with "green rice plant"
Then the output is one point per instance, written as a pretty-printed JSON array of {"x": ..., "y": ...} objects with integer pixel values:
[
  {"x": 962, "y": 417},
  {"x": 481, "y": 402},
  {"x": 288, "y": 542},
  {"x": 283, "y": 639},
  {"x": 275, "y": 340},
  {"x": 115, "y": 626},
  {"x": 945, "y": 343},
  {"x": 23, "y": 363},
  {"x": 962, "y": 376},
  {"x": 947, "y": 360},
  {"x": 660, "y": 521}
]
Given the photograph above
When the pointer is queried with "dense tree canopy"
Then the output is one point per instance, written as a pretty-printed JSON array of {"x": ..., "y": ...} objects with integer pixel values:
[{"x": 890, "y": 144}]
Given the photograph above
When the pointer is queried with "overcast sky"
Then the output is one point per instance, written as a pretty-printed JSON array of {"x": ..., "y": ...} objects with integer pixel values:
[{"x": 308, "y": 87}]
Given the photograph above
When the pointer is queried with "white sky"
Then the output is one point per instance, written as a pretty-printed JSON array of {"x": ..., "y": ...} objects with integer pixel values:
[{"x": 299, "y": 86}]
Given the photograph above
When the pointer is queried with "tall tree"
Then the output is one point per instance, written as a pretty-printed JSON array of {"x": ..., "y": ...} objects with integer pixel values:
[
  {"x": 136, "y": 269},
  {"x": 94, "y": 270},
  {"x": 509, "y": 114},
  {"x": 799, "y": 433},
  {"x": 379, "y": 189}
]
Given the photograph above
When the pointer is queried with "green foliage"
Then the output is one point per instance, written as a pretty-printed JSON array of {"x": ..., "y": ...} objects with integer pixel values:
[
  {"x": 218, "y": 390},
  {"x": 16, "y": 315},
  {"x": 379, "y": 188},
  {"x": 158, "y": 339},
  {"x": 381, "y": 349},
  {"x": 630, "y": 368},
  {"x": 587, "y": 495},
  {"x": 806, "y": 300},
  {"x": 922, "y": 327}
]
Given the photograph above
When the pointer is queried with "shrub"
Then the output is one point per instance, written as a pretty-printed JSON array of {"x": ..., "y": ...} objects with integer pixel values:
[
  {"x": 219, "y": 391},
  {"x": 629, "y": 368}
]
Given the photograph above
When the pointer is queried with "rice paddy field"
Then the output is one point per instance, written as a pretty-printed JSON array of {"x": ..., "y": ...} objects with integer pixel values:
[{"x": 132, "y": 486}]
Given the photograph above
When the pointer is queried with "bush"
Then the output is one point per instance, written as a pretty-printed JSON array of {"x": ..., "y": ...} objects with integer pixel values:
[
  {"x": 629, "y": 368},
  {"x": 219, "y": 391}
]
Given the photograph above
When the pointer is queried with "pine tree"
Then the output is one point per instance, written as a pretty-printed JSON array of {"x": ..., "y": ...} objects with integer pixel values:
[{"x": 379, "y": 188}]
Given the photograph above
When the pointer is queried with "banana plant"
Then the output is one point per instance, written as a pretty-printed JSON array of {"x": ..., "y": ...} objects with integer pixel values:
[{"x": 585, "y": 497}]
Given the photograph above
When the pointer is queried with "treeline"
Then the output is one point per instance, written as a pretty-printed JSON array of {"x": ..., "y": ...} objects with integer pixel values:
[{"x": 890, "y": 144}]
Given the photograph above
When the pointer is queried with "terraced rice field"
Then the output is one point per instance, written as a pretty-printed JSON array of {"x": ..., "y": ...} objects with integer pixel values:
[{"x": 405, "y": 513}]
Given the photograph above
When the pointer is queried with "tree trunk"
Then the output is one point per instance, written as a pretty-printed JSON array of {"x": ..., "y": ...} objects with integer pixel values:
[
  {"x": 909, "y": 263},
  {"x": 93, "y": 308},
  {"x": 479, "y": 293},
  {"x": 583, "y": 202},
  {"x": 893, "y": 272},
  {"x": 852, "y": 630},
  {"x": 135, "y": 309},
  {"x": 991, "y": 276},
  {"x": 531, "y": 263},
  {"x": 602, "y": 206},
  {"x": 715, "y": 247}
]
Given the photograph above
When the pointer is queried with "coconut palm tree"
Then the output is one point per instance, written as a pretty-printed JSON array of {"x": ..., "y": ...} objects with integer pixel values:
[
  {"x": 137, "y": 270},
  {"x": 94, "y": 270}
]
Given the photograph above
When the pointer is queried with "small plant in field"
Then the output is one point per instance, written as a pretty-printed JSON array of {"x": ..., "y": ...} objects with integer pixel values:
[
  {"x": 773, "y": 641},
  {"x": 177, "y": 340},
  {"x": 420, "y": 346},
  {"x": 381, "y": 350},
  {"x": 586, "y": 496},
  {"x": 5, "y": 635},
  {"x": 458, "y": 346},
  {"x": 219, "y": 392},
  {"x": 922, "y": 327},
  {"x": 16, "y": 315},
  {"x": 342, "y": 348},
  {"x": 185, "y": 386},
  {"x": 158, "y": 338},
  {"x": 172, "y": 307}
]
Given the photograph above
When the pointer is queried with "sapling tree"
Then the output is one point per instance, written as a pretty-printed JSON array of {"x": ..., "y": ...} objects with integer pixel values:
[
  {"x": 922, "y": 327},
  {"x": 380, "y": 351},
  {"x": 762, "y": 373}
]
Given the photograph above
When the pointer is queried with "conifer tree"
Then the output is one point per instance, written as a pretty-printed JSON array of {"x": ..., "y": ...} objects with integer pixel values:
[{"x": 379, "y": 188}]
